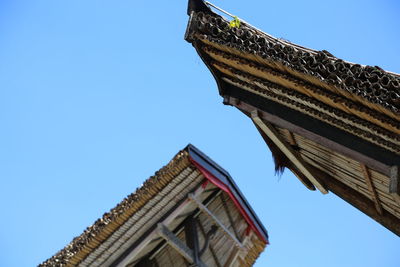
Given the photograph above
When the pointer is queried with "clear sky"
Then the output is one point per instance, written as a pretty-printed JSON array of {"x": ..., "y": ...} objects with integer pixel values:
[{"x": 95, "y": 96}]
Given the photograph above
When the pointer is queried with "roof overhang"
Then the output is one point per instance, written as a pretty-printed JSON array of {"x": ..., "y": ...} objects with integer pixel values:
[
  {"x": 346, "y": 110},
  {"x": 149, "y": 218}
]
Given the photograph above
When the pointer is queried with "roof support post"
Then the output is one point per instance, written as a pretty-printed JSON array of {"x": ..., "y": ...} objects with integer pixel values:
[
  {"x": 270, "y": 131},
  {"x": 371, "y": 187},
  {"x": 178, "y": 245},
  {"x": 139, "y": 247},
  {"x": 204, "y": 209},
  {"x": 210, "y": 245},
  {"x": 302, "y": 179},
  {"x": 228, "y": 213},
  {"x": 192, "y": 239},
  {"x": 394, "y": 186}
]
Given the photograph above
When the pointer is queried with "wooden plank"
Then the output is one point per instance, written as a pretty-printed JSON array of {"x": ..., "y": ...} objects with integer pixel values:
[
  {"x": 175, "y": 243},
  {"x": 269, "y": 130},
  {"x": 210, "y": 245},
  {"x": 196, "y": 214},
  {"x": 135, "y": 251},
  {"x": 204, "y": 209},
  {"x": 394, "y": 186},
  {"x": 292, "y": 141},
  {"x": 371, "y": 188},
  {"x": 232, "y": 257},
  {"x": 346, "y": 167},
  {"x": 335, "y": 146},
  {"x": 384, "y": 196},
  {"x": 301, "y": 178},
  {"x": 360, "y": 202},
  {"x": 228, "y": 213}
]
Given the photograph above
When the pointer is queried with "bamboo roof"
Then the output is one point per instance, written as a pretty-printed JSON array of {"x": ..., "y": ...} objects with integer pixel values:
[
  {"x": 334, "y": 123},
  {"x": 131, "y": 231}
]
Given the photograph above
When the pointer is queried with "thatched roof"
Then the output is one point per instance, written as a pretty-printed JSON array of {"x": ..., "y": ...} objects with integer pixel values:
[
  {"x": 326, "y": 119},
  {"x": 110, "y": 239}
]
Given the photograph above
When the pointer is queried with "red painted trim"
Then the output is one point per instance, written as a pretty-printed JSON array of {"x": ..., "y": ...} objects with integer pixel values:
[{"x": 226, "y": 189}]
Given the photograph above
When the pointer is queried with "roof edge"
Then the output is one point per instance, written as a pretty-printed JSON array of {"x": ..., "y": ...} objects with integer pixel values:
[
  {"x": 222, "y": 175},
  {"x": 196, "y": 6}
]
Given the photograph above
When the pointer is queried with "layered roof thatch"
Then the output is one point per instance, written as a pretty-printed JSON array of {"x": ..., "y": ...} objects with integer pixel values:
[
  {"x": 163, "y": 198},
  {"x": 334, "y": 123}
]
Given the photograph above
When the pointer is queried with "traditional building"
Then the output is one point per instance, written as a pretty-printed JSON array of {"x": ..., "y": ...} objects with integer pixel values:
[
  {"x": 334, "y": 124},
  {"x": 190, "y": 213}
]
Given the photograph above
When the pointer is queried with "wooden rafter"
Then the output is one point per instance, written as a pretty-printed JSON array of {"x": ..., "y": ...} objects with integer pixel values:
[
  {"x": 302, "y": 179},
  {"x": 207, "y": 212},
  {"x": 177, "y": 244},
  {"x": 271, "y": 132},
  {"x": 371, "y": 187},
  {"x": 232, "y": 257},
  {"x": 210, "y": 245},
  {"x": 292, "y": 141},
  {"x": 228, "y": 213},
  {"x": 298, "y": 129},
  {"x": 155, "y": 233},
  {"x": 360, "y": 201}
]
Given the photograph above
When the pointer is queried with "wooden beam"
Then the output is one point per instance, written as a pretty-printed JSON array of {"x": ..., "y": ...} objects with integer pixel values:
[
  {"x": 371, "y": 187},
  {"x": 232, "y": 257},
  {"x": 216, "y": 220},
  {"x": 236, "y": 255},
  {"x": 270, "y": 131},
  {"x": 292, "y": 168},
  {"x": 394, "y": 186},
  {"x": 210, "y": 246},
  {"x": 180, "y": 228},
  {"x": 359, "y": 201},
  {"x": 320, "y": 139},
  {"x": 192, "y": 237},
  {"x": 178, "y": 245},
  {"x": 302, "y": 179},
  {"x": 154, "y": 233},
  {"x": 292, "y": 141},
  {"x": 228, "y": 213}
]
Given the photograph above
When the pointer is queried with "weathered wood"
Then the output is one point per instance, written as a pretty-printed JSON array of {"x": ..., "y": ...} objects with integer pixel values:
[
  {"x": 394, "y": 186},
  {"x": 302, "y": 179},
  {"x": 386, "y": 201},
  {"x": 210, "y": 245},
  {"x": 360, "y": 202},
  {"x": 268, "y": 129},
  {"x": 293, "y": 168},
  {"x": 228, "y": 213},
  {"x": 232, "y": 257},
  {"x": 292, "y": 141},
  {"x": 216, "y": 220},
  {"x": 178, "y": 245},
  {"x": 192, "y": 238},
  {"x": 371, "y": 188},
  {"x": 347, "y": 151},
  {"x": 179, "y": 230},
  {"x": 136, "y": 250},
  {"x": 331, "y": 166},
  {"x": 170, "y": 257}
]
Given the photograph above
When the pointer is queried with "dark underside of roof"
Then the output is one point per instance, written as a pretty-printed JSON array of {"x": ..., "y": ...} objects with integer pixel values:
[{"x": 313, "y": 101}]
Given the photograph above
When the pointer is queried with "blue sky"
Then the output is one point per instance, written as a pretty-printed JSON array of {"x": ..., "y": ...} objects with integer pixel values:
[{"x": 95, "y": 96}]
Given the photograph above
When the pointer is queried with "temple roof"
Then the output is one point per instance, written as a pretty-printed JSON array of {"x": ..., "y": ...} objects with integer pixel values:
[
  {"x": 326, "y": 119},
  {"x": 130, "y": 231}
]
